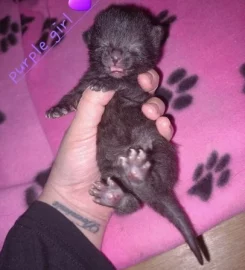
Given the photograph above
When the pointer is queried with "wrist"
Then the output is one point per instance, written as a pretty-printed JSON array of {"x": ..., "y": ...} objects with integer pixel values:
[
  {"x": 91, "y": 219},
  {"x": 78, "y": 200}
]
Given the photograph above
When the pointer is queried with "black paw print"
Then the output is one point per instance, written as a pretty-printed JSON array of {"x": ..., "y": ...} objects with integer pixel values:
[
  {"x": 242, "y": 71},
  {"x": 24, "y": 21},
  {"x": 49, "y": 25},
  {"x": 9, "y": 30},
  {"x": 31, "y": 194},
  {"x": 216, "y": 170},
  {"x": 178, "y": 79},
  {"x": 2, "y": 117}
]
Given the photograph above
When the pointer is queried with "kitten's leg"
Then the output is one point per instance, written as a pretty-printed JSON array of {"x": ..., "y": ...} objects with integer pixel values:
[
  {"x": 112, "y": 195},
  {"x": 70, "y": 101},
  {"x": 103, "y": 84},
  {"x": 67, "y": 104}
]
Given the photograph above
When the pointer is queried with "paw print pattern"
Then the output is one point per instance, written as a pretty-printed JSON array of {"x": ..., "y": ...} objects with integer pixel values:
[
  {"x": 2, "y": 117},
  {"x": 180, "y": 99},
  {"x": 25, "y": 20},
  {"x": 215, "y": 170},
  {"x": 32, "y": 193},
  {"x": 48, "y": 26},
  {"x": 242, "y": 71},
  {"x": 9, "y": 30}
]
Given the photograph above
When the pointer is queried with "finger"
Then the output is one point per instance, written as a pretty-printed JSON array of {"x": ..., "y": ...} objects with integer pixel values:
[
  {"x": 153, "y": 108},
  {"x": 149, "y": 81},
  {"x": 90, "y": 109},
  {"x": 164, "y": 127}
]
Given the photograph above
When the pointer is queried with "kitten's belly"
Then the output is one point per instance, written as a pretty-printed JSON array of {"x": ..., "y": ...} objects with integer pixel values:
[{"x": 123, "y": 128}]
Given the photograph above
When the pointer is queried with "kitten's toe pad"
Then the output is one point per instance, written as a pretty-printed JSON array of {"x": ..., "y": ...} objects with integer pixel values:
[
  {"x": 135, "y": 165},
  {"x": 108, "y": 195},
  {"x": 57, "y": 111}
]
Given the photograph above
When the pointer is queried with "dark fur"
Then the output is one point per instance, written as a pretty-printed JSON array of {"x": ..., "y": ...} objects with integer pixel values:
[{"x": 136, "y": 37}]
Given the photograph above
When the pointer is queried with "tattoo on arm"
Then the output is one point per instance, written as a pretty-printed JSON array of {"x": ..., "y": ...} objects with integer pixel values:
[{"x": 82, "y": 222}]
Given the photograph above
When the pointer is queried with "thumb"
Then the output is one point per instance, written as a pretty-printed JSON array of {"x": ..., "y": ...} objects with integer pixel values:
[{"x": 89, "y": 111}]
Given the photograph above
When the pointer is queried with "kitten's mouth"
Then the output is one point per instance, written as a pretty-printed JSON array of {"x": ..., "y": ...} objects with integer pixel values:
[{"x": 117, "y": 72}]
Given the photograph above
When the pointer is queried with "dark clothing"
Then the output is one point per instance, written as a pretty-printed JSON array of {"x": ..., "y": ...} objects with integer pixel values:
[{"x": 42, "y": 238}]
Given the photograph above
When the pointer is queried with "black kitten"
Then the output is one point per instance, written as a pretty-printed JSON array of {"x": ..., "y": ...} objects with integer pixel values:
[{"x": 137, "y": 164}]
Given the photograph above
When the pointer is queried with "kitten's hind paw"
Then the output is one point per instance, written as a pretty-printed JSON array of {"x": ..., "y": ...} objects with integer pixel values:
[
  {"x": 109, "y": 194},
  {"x": 58, "y": 111},
  {"x": 136, "y": 166}
]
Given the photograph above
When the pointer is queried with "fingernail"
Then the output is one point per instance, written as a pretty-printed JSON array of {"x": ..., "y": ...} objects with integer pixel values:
[
  {"x": 154, "y": 108},
  {"x": 171, "y": 128},
  {"x": 151, "y": 77},
  {"x": 152, "y": 80}
]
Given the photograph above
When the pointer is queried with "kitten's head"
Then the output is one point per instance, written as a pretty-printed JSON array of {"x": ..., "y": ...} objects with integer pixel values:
[{"x": 124, "y": 40}]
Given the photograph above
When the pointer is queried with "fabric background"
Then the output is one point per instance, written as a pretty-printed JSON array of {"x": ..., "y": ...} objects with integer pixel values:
[{"x": 203, "y": 84}]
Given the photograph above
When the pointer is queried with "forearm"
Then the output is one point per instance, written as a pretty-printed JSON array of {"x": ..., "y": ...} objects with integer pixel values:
[{"x": 91, "y": 219}]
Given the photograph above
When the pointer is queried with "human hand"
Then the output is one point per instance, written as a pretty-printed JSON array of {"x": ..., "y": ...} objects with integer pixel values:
[{"x": 75, "y": 167}]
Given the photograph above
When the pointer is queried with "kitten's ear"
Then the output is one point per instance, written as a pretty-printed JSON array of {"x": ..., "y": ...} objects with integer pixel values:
[
  {"x": 157, "y": 35},
  {"x": 87, "y": 36}
]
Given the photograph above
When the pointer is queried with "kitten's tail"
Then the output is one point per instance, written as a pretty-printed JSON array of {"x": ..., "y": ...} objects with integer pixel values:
[{"x": 171, "y": 209}]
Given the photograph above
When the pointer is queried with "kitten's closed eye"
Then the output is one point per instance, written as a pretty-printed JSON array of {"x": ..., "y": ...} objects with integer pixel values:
[
  {"x": 135, "y": 47},
  {"x": 103, "y": 42},
  {"x": 136, "y": 51}
]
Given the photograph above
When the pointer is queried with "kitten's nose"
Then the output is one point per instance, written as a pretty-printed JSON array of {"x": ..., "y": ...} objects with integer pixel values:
[{"x": 116, "y": 56}]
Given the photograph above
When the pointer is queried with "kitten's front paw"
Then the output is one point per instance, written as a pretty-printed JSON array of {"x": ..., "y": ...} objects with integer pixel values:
[
  {"x": 98, "y": 85},
  {"x": 58, "y": 111},
  {"x": 136, "y": 166},
  {"x": 108, "y": 195}
]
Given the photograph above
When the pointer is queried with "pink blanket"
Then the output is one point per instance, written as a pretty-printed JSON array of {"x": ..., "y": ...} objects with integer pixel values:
[{"x": 204, "y": 85}]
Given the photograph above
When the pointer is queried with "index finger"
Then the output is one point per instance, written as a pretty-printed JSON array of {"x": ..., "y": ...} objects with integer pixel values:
[{"x": 90, "y": 110}]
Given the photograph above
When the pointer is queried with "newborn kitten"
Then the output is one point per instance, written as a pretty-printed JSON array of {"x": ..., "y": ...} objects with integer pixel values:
[{"x": 137, "y": 165}]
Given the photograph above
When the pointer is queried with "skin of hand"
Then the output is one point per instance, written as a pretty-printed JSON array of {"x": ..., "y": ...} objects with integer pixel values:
[{"x": 75, "y": 167}]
